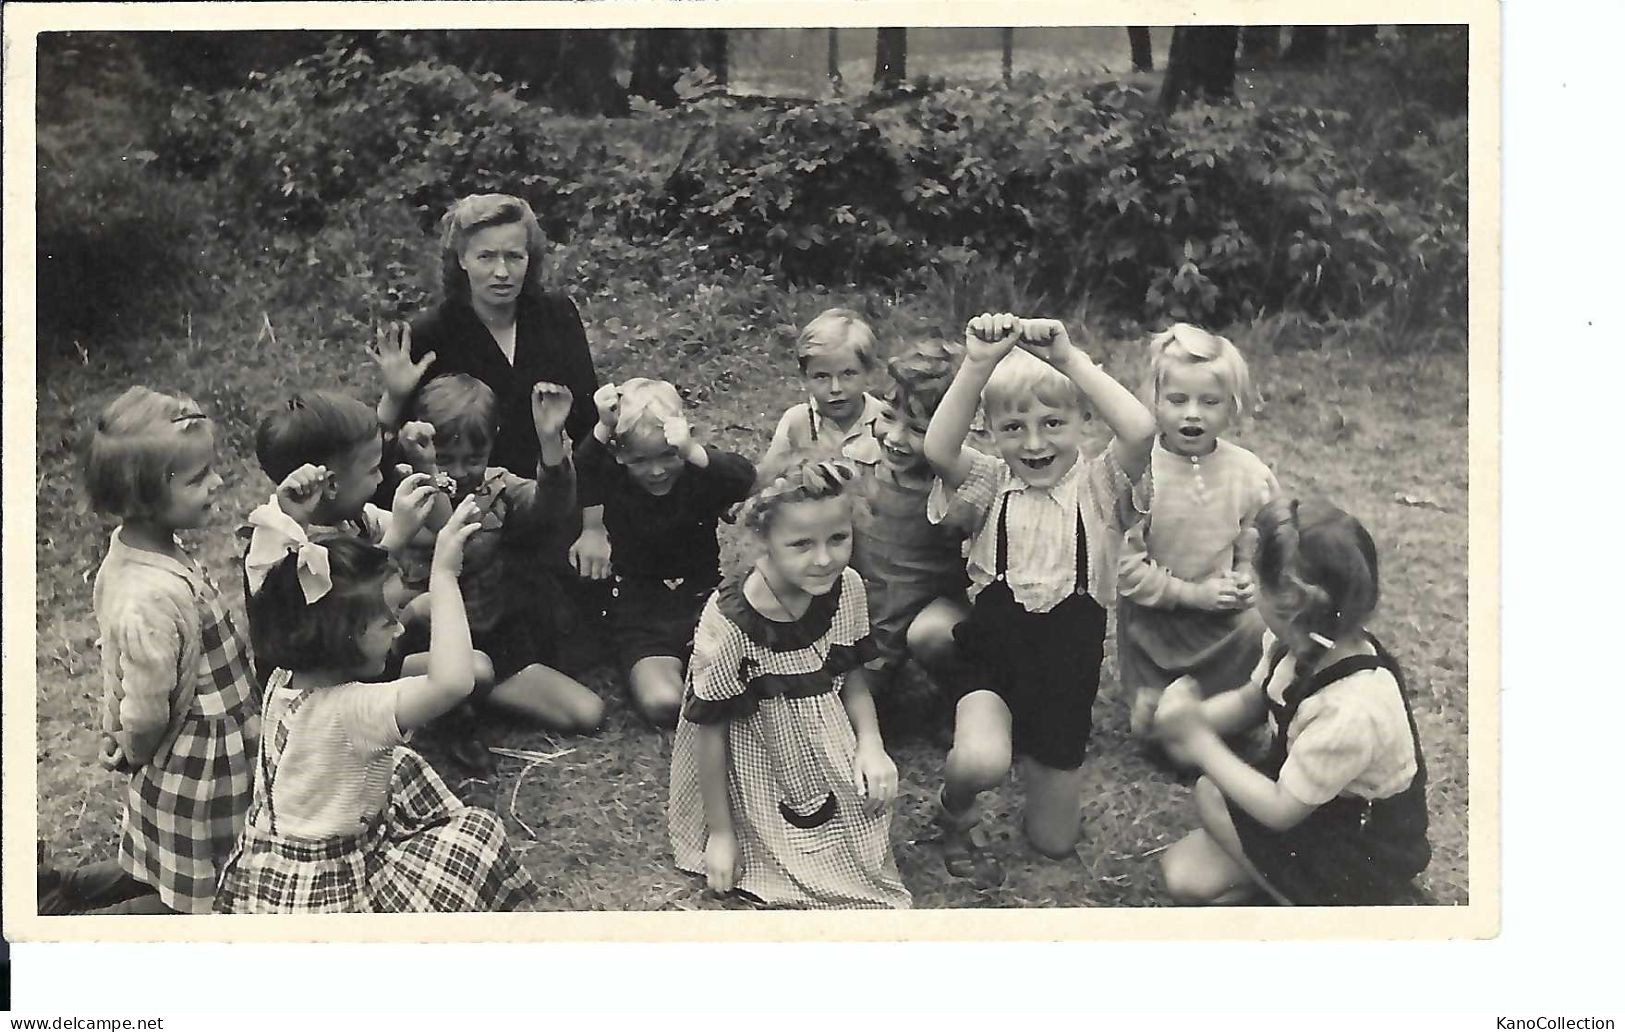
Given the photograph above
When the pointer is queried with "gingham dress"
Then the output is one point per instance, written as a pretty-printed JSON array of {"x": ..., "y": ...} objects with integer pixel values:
[
  {"x": 425, "y": 852},
  {"x": 803, "y": 836},
  {"x": 185, "y": 808}
]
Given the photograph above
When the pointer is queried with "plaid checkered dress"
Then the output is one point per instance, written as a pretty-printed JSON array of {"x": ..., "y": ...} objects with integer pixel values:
[
  {"x": 185, "y": 808},
  {"x": 426, "y": 852},
  {"x": 804, "y": 838}
]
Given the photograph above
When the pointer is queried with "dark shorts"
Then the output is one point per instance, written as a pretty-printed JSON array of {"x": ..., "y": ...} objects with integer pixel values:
[
  {"x": 1333, "y": 857},
  {"x": 1045, "y": 666},
  {"x": 649, "y": 617}
]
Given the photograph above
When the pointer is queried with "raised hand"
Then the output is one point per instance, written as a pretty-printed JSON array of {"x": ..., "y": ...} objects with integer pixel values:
[
  {"x": 302, "y": 490},
  {"x": 449, "y": 543},
  {"x": 990, "y": 337},
  {"x": 549, "y": 407},
  {"x": 607, "y": 399},
  {"x": 678, "y": 434},
  {"x": 1048, "y": 339},
  {"x": 413, "y": 502},
  {"x": 416, "y": 441},
  {"x": 392, "y": 350}
]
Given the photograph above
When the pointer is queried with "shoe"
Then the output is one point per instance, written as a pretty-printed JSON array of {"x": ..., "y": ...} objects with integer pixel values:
[{"x": 962, "y": 855}]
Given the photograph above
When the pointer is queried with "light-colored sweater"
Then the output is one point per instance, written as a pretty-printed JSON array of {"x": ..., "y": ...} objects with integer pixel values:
[{"x": 1199, "y": 508}]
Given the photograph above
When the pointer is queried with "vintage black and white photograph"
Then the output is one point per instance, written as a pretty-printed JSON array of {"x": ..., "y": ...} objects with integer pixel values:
[{"x": 723, "y": 468}]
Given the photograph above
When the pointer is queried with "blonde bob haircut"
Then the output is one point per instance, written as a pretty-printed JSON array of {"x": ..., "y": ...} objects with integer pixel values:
[
  {"x": 481, "y": 211},
  {"x": 141, "y": 438},
  {"x": 645, "y": 406},
  {"x": 1184, "y": 344},
  {"x": 1021, "y": 376},
  {"x": 833, "y": 329}
]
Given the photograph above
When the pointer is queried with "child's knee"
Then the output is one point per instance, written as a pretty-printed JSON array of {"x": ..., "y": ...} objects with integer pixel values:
[
  {"x": 930, "y": 641},
  {"x": 1180, "y": 880},
  {"x": 586, "y": 711},
  {"x": 658, "y": 692},
  {"x": 980, "y": 762},
  {"x": 1056, "y": 840}
]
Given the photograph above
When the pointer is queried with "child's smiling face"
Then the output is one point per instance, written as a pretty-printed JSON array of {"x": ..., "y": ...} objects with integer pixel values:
[
  {"x": 191, "y": 488},
  {"x": 1193, "y": 408},
  {"x": 836, "y": 379},
  {"x": 901, "y": 436},
  {"x": 1039, "y": 441},
  {"x": 462, "y": 460},
  {"x": 809, "y": 543},
  {"x": 653, "y": 465}
]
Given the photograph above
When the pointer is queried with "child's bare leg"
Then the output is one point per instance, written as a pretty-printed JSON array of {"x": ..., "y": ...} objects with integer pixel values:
[
  {"x": 1220, "y": 831},
  {"x": 1196, "y": 871},
  {"x": 418, "y": 664},
  {"x": 1054, "y": 808},
  {"x": 657, "y": 688},
  {"x": 930, "y": 637},
  {"x": 1142, "y": 710},
  {"x": 980, "y": 757},
  {"x": 550, "y": 698}
]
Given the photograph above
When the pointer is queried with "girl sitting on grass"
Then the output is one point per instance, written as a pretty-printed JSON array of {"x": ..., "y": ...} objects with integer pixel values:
[
  {"x": 177, "y": 704},
  {"x": 780, "y": 782},
  {"x": 1338, "y": 814},
  {"x": 345, "y": 819}
]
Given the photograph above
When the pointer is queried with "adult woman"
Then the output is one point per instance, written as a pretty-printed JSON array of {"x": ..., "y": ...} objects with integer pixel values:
[{"x": 497, "y": 323}]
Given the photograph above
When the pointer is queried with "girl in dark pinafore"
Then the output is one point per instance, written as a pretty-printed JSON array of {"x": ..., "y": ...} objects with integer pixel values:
[{"x": 1337, "y": 815}]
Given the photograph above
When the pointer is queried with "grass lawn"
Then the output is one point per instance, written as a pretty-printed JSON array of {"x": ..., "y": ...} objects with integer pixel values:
[{"x": 1384, "y": 437}]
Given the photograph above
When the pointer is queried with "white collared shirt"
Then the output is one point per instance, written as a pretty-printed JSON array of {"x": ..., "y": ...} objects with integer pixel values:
[{"x": 1042, "y": 558}]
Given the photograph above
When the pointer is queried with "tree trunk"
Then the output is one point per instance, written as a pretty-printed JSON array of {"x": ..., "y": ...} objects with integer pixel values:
[
  {"x": 714, "y": 53},
  {"x": 1139, "y": 45},
  {"x": 835, "y": 59},
  {"x": 1260, "y": 43},
  {"x": 1201, "y": 64},
  {"x": 891, "y": 57},
  {"x": 584, "y": 82},
  {"x": 1308, "y": 45},
  {"x": 658, "y": 59},
  {"x": 1357, "y": 36},
  {"x": 1007, "y": 38}
]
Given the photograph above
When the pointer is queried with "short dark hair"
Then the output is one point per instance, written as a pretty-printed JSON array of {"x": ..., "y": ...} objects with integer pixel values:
[
  {"x": 312, "y": 427},
  {"x": 295, "y": 635},
  {"x": 460, "y": 407}
]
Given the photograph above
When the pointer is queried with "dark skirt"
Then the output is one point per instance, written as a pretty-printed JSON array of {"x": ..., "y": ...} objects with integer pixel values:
[
  {"x": 1348, "y": 852},
  {"x": 650, "y": 617},
  {"x": 1156, "y": 647}
]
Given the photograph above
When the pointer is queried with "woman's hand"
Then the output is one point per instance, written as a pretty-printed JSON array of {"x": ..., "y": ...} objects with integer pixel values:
[
  {"x": 1179, "y": 714},
  {"x": 549, "y": 407},
  {"x": 301, "y": 491},
  {"x": 875, "y": 775},
  {"x": 607, "y": 399},
  {"x": 453, "y": 537},
  {"x": 392, "y": 351},
  {"x": 721, "y": 861},
  {"x": 589, "y": 556},
  {"x": 989, "y": 337}
]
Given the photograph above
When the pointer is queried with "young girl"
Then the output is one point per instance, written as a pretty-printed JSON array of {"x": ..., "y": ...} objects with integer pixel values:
[
  {"x": 1042, "y": 564},
  {"x": 177, "y": 710},
  {"x": 913, "y": 569},
  {"x": 662, "y": 495},
  {"x": 837, "y": 354},
  {"x": 1185, "y": 594},
  {"x": 780, "y": 783},
  {"x": 1338, "y": 813},
  {"x": 345, "y": 819}
]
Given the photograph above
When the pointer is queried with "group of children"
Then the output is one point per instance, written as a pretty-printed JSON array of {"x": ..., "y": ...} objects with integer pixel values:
[{"x": 284, "y": 783}]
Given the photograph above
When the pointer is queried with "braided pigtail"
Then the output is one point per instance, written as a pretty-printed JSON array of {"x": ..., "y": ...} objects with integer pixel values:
[{"x": 801, "y": 480}]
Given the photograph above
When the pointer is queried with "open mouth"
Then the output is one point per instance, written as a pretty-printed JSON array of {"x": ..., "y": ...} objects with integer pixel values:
[
  {"x": 1190, "y": 431},
  {"x": 1039, "y": 464},
  {"x": 897, "y": 454}
]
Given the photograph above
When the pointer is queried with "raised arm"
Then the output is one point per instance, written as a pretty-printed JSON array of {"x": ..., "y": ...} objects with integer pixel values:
[
  {"x": 451, "y": 650},
  {"x": 988, "y": 338}
]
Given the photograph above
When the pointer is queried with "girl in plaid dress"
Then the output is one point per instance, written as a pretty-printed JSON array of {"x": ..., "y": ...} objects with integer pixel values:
[
  {"x": 780, "y": 783},
  {"x": 177, "y": 709},
  {"x": 345, "y": 818}
]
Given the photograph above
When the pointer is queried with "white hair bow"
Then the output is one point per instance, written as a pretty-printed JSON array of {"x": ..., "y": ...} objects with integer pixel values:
[{"x": 276, "y": 534}]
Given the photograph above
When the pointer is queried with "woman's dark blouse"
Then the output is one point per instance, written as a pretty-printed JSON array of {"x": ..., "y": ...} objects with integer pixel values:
[
  {"x": 672, "y": 535},
  {"x": 550, "y": 345}
]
